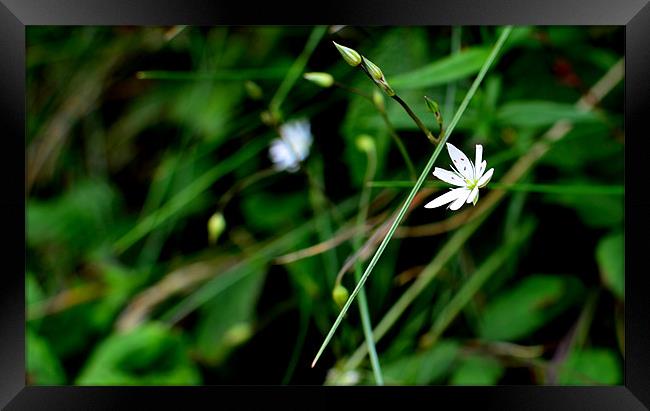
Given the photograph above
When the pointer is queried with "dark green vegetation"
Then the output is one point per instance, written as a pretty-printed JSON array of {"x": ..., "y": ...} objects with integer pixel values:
[{"x": 138, "y": 136}]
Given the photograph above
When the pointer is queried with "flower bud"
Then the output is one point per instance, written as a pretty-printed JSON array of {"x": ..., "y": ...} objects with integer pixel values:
[
  {"x": 349, "y": 55},
  {"x": 365, "y": 143},
  {"x": 322, "y": 79},
  {"x": 238, "y": 334},
  {"x": 216, "y": 226},
  {"x": 378, "y": 100},
  {"x": 268, "y": 118},
  {"x": 254, "y": 91},
  {"x": 433, "y": 107},
  {"x": 340, "y": 295},
  {"x": 378, "y": 76},
  {"x": 374, "y": 71}
]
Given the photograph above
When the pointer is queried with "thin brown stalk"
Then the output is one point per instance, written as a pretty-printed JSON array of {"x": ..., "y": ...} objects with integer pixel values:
[{"x": 177, "y": 281}]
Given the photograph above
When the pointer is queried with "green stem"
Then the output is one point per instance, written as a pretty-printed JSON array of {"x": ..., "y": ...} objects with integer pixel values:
[
  {"x": 600, "y": 89},
  {"x": 224, "y": 74},
  {"x": 318, "y": 201},
  {"x": 185, "y": 196},
  {"x": 353, "y": 90},
  {"x": 296, "y": 68},
  {"x": 451, "y": 87},
  {"x": 406, "y": 107},
  {"x": 476, "y": 281},
  {"x": 391, "y": 130},
  {"x": 417, "y": 120},
  {"x": 300, "y": 342},
  {"x": 399, "y": 144},
  {"x": 242, "y": 184},
  {"x": 426, "y": 276},
  {"x": 363, "y": 303},
  {"x": 416, "y": 187}
]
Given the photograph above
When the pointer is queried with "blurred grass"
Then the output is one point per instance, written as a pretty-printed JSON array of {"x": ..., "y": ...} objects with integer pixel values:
[{"x": 136, "y": 134}]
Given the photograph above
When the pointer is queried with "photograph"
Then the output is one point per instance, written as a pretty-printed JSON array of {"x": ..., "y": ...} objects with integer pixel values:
[{"x": 325, "y": 205}]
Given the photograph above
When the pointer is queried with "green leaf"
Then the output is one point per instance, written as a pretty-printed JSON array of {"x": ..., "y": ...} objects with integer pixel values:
[
  {"x": 477, "y": 370},
  {"x": 120, "y": 283},
  {"x": 541, "y": 114},
  {"x": 422, "y": 368},
  {"x": 78, "y": 219},
  {"x": 91, "y": 318},
  {"x": 445, "y": 70},
  {"x": 74, "y": 339},
  {"x": 148, "y": 355},
  {"x": 226, "y": 321},
  {"x": 595, "y": 210},
  {"x": 592, "y": 366},
  {"x": 610, "y": 257},
  {"x": 528, "y": 306},
  {"x": 43, "y": 366}
]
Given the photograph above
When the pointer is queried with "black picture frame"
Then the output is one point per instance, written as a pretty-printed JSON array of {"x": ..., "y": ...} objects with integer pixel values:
[{"x": 15, "y": 15}]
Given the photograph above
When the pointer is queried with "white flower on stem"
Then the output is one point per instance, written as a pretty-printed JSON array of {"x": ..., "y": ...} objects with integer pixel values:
[
  {"x": 292, "y": 147},
  {"x": 468, "y": 177}
]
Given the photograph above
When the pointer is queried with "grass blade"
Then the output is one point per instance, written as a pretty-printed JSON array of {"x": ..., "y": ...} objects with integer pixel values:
[
  {"x": 267, "y": 73},
  {"x": 475, "y": 282},
  {"x": 363, "y": 301},
  {"x": 416, "y": 187},
  {"x": 297, "y": 68}
]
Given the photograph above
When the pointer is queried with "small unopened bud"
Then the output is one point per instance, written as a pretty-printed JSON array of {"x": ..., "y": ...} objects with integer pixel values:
[
  {"x": 322, "y": 79},
  {"x": 238, "y": 334},
  {"x": 254, "y": 91},
  {"x": 340, "y": 295},
  {"x": 378, "y": 76},
  {"x": 349, "y": 55},
  {"x": 378, "y": 100},
  {"x": 216, "y": 226},
  {"x": 365, "y": 143},
  {"x": 433, "y": 107},
  {"x": 267, "y": 118},
  {"x": 374, "y": 71}
]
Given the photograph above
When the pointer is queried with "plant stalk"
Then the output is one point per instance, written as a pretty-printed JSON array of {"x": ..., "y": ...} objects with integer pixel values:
[{"x": 427, "y": 169}]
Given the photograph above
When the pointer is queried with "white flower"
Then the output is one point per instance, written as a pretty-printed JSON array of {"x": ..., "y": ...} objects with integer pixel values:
[
  {"x": 467, "y": 177},
  {"x": 287, "y": 152}
]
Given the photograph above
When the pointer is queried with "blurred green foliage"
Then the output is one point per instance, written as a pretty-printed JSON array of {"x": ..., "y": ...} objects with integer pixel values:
[
  {"x": 533, "y": 302},
  {"x": 148, "y": 355},
  {"x": 138, "y": 136}
]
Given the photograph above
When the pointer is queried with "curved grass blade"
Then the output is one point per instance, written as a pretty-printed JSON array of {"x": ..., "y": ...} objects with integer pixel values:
[{"x": 468, "y": 97}]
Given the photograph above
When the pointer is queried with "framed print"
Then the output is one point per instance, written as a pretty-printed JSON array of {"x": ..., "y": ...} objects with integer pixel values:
[{"x": 343, "y": 205}]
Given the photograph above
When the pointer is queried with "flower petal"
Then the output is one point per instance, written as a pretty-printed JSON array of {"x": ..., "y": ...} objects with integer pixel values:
[
  {"x": 462, "y": 197},
  {"x": 449, "y": 177},
  {"x": 460, "y": 160},
  {"x": 473, "y": 195},
  {"x": 448, "y": 197},
  {"x": 478, "y": 161},
  {"x": 485, "y": 178},
  {"x": 480, "y": 169}
]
